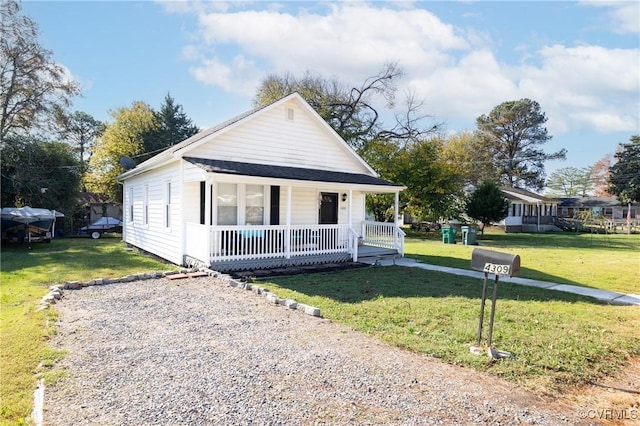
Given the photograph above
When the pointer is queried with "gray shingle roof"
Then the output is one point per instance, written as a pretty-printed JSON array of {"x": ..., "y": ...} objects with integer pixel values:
[{"x": 283, "y": 172}]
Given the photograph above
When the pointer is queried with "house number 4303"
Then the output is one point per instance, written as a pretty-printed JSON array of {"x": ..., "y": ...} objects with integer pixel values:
[{"x": 492, "y": 268}]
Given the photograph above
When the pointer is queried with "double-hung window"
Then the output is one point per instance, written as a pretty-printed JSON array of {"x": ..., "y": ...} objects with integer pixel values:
[{"x": 227, "y": 204}]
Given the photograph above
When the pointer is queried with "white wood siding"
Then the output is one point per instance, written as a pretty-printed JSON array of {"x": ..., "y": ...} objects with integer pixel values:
[
  {"x": 193, "y": 173},
  {"x": 192, "y": 202},
  {"x": 155, "y": 237},
  {"x": 273, "y": 139},
  {"x": 304, "y": 207}
]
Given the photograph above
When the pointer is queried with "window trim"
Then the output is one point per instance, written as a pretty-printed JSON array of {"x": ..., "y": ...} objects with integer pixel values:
[
  {"x": 167, "y": 204},
  {"x": 145, "y": 205}
]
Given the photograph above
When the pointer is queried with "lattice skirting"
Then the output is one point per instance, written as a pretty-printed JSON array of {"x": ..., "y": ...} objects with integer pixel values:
[{"x": 245, "y": 265}]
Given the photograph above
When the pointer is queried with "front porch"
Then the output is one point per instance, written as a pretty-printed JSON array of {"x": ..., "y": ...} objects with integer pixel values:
[{"x": 237, "y": 248}]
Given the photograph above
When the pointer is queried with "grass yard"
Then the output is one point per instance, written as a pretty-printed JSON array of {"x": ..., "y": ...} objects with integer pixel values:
[
  {"x": 25, "y": 278},
  {"x": 608, "y": 262},
  {"x": 558, "y": 340}
]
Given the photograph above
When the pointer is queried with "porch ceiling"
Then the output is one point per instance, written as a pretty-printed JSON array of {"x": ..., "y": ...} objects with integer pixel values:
[{"x": 289, "y": 173}]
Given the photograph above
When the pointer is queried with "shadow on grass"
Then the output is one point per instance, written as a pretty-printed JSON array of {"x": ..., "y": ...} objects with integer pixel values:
[
  {"x": 532, "y": 274},
  {"x": 355, "y": 286}
]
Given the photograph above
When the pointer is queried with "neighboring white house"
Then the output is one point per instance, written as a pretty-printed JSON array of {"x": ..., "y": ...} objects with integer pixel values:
[
  {"x": 529, "y": 212},
  {"x": 273, "y": 187}
]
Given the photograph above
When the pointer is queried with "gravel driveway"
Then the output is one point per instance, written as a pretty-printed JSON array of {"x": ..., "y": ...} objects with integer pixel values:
[{"x": 200, "y": 352}]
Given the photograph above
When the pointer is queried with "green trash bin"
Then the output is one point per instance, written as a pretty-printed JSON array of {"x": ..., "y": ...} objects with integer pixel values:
[
  {"x": 449, "y": 234},
  {"x": 469, "y": 235}
]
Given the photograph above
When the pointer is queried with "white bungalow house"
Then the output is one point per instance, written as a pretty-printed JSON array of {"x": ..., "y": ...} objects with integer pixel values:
[
  {"x": 529, "y": 212},
  {"x": 273, "y": 187}
]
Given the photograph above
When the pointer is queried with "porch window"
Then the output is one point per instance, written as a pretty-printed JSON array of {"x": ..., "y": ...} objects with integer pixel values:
[
  {"x": 227, "y": 204},
  {"x": 254, "y": 205},
  {"x": 608, "y": 211}
]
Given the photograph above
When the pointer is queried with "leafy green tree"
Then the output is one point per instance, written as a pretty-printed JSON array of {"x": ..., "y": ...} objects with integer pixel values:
[
  {"x": 123, "y": 137},
  {"x": 624, "y": 180},
  {"x": 512, "y": 134},
  {"x": 468, "y": 158},
  {"x": 39, "y": 174},
  {"x": 173, "y": 127},
  {"x": 79, "y": 130},
  {"x": 571, "y": 181},
  {"x": 434, "y": 186},
  {"x": 31, "y": 82},
  {"x": 487, "y": 204}
]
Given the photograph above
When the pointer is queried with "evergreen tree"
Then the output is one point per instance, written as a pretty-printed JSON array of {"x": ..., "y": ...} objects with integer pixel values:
[
  {"x": 624, "y": 180},
  {"x": 512, "y": 134},
  {"x": 487, "y": 204},
  {"x": 173, "y": 126}
]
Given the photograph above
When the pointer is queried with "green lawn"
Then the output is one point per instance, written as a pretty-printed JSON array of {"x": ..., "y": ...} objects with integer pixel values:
[
  {"x": 559, "y": 340},
  {"x": 25, "y": 278},
  {"x": 555, "y": 337},
  {"x": 609, "y": 262}
]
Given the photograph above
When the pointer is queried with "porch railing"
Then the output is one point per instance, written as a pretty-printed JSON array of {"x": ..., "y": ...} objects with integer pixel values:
[
  {"x": 383, "y": 234},
  {"x": 255, "y": 242},
  {"x": 534, "y": 220},
  {"x": 227, "y": 243}
]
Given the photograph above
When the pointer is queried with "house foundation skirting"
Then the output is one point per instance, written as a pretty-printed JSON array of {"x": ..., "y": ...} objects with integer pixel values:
[{"x": 245, "y": 265}]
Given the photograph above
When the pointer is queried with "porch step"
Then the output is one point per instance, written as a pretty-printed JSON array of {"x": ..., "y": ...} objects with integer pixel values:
[{"x": 372, "y": 255}]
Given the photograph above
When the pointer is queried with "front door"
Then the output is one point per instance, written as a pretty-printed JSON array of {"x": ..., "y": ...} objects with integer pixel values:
[{"x": 328, "y": 208}]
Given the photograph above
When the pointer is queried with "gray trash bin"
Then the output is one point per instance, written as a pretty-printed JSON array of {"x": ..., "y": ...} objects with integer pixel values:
[{"x": 469, "y": 235}]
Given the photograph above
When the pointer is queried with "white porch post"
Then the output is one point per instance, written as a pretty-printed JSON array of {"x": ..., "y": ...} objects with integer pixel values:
[
  {"x": 183, "y": 222},
  {"x": 395, "y": 208},
  {"x": 396, "y": 214},
  {"x": 287, "y": 233},
  {"x": 350, "y": 219},
  {"x": 208, "y": 182},
  {"x": 350, "y": 208}
]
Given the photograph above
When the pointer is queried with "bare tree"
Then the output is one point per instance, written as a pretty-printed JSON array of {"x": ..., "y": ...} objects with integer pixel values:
[
  {"x": 31, "y": 83},
  {"x": 352, "y": 112}
]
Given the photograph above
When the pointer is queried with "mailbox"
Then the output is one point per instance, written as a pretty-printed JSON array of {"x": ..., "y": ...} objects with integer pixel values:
[{"x": 494, "y": 262}]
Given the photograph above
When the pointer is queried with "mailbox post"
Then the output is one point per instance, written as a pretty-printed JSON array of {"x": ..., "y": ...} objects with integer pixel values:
[{"x": 491, "y": 262}]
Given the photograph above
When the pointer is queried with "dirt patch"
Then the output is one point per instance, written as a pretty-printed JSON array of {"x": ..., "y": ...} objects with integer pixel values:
[{"x": 614, "y": 400}]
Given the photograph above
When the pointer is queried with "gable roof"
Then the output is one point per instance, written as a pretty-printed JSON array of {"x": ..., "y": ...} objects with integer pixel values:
[
  {"x": 520, "y": 194},
  {"x": 182, "y": 149},
  {"x": 290, "y": 173}
]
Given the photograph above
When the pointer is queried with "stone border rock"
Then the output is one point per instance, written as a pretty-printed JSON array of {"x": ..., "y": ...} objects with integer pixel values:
[
  {"x": 56, "y": 292},
  {"x": 271, "y": 297}
]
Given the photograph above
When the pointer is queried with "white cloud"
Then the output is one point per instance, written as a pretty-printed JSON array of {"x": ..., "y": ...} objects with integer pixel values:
[
  {"x": 624, "y": 16},
  {"x": 351, "y": 38},
  {"x": 585, "y": 87},
  {"x": 240, "y": 76},
  {"x": 456, "y": 70}
]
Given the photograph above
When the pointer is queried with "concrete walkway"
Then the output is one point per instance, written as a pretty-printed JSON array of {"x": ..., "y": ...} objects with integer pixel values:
[{"x": 603, "y": 295}]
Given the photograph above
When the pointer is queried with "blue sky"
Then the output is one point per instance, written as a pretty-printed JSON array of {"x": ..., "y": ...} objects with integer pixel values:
[{"x": 579, "y": 60}]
